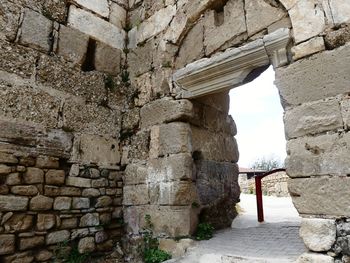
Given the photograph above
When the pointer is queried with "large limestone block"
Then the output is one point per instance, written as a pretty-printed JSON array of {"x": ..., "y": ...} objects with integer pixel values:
[
  {"x": 308, "y": 48},
  {"x": 233, "y": 25},
  {"x": 313, "y": 118},
  {"x": 176, "y": 248},
  {"x": 318, "y": 234},
  {"x": 13, "y": 203},
  {"x": 321, "y": 195},
  {"x": 135, "y": 174},
  {"x": 165, "y": 110},
  {"x": 134, "y": 195},
  {"x": 219, "y": 147},
  {"x": 107, "y": 59},
  {"x": 320, "y": 76},
  {"x": 314, "y": 257},
  {"x": 177, "y": 167},
  {"x": 96, "y": 27},
  {"x": 170, "y": 138},
  {"x": 36, "y": 30},
  {"x": 100, "y": 7},
  {"x": 117, "y": 15},
  {"x": 173, "y": 221},
  {"x": 340, "y": 11},
  {"x": 260, "y": 14},
  {"x": 308, "y": 19},
  {"x": 72, "y": 44},
  {"x": 173, "y": 193},
  {"x": 321, "y": 155},
  {"x": 10, "y": 15},
  {"x": 96, "y": 149},
  {"x": 152, "y": 26}
]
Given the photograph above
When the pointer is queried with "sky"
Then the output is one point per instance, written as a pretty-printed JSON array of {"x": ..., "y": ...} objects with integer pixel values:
[{"x": 258, "y": 114}]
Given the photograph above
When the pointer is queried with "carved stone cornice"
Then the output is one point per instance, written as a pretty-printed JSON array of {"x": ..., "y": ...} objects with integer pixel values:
[{"x": 231, "y": 68}]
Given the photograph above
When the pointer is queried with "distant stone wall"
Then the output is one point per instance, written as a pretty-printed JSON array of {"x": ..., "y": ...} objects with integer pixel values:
[{"x": 274, "y": 184}]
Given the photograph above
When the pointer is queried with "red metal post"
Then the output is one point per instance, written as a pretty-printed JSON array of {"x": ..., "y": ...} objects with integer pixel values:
[{"x": 259, "y": 200}]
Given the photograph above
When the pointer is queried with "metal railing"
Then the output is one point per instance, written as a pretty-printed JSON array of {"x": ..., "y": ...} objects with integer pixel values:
[{"x": 258, "y": 190}]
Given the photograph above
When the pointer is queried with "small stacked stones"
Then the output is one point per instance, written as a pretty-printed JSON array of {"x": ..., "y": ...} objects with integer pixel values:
[{"x": 44, "y": 202}]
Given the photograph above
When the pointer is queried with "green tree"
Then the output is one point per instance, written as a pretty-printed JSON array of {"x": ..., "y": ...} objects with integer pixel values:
[{"x": 267, "y": 164}]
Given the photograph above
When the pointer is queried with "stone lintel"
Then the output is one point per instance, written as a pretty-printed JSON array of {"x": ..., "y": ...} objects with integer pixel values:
[{"x": 232, "y": 67}]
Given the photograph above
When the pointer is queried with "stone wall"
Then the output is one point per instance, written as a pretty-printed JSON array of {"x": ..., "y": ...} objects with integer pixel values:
[
  {"x": 62, "y": 93},
  {"x": 274, "y": 184},
  {"x": 89, "y": 84}
]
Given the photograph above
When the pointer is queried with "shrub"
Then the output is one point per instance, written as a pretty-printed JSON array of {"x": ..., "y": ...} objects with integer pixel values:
[{"x": 204, "y": 231}]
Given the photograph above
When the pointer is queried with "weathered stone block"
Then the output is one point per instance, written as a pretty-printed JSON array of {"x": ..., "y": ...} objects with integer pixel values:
[
  {"x": 47, "y": 162},
  {"x": 117, "y": 15},
  {"x": 45, "y": 222},
  {"x": 96, "y": 27},
  {"x": 169, "y": 220},
  {"x": 134, "y": 195},
  {"x": 4, "y": 169},
  {"x": 318, "y": 234},
  {"x": 152, "y": 26},
  {"x": 89, "y": 220},
  {"x": 55, "y": 177},
  {"x": 321, "y": 155},
  {"x": 68, "y": 78},
  {"x": 86, "y": 245},
  {"x": 340, "y": 11},
  {"x": 91, "y": 192},
  {"x": 170, "y": 138},
  {"x": 72, "y": 44},
  {"x": 11, "y": 13},
  {"x": 13, "y": 203},
  {"x": 173, "y": 193},
  {"x": 321, "y": 196},
  {"x": 103, "y": 201},
  {"x": 139, "y": 146},
  {"x": 308, "y": 19},
  {"x": 96, "y": 149},
  {"x": 187, "y": 53},
  {"x": 177, "y": 167},
  {"x": 219, "y": 147},
  {"x": 31, "y": 242},
  {"x": 314, "y": 257},
  {"x": 320, "y": 76},
  {"x": 135, "y": 174},
  {"x": 43, "y": 255},
  {"x": 100, "y": 7},
  {"x": 35, "y": 31},
  {"x": 337, "y": 38},
  {"x": 8, "y": 158},
  {"x": 260, "y": 15},
  {"x": 57, "y": 237},
  {"x": 232, "y": 24},
  {"x": 33, "y": 176},
  {"x": 19, "y": 61},
  {"x": 176, "y": 248},
  {"x": 13, "y": 179},
  {"x": 7, "y": 244},
  {"x": 78, "y": 182},
  {"x": 62, "y": 203},
  {"x": 24, "y": 190},
  {"x": 107, "y": 59},
  {"x": 69, "y": 223},
  {"x": 165, "y": 110},
  {"x": 313, "y": 118},
  {"x": 308, "y": 48},
  {"x": 41, "y": 203},
  {"x": 18, "y": 222},
  {"x": 81, "y": 203}
]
